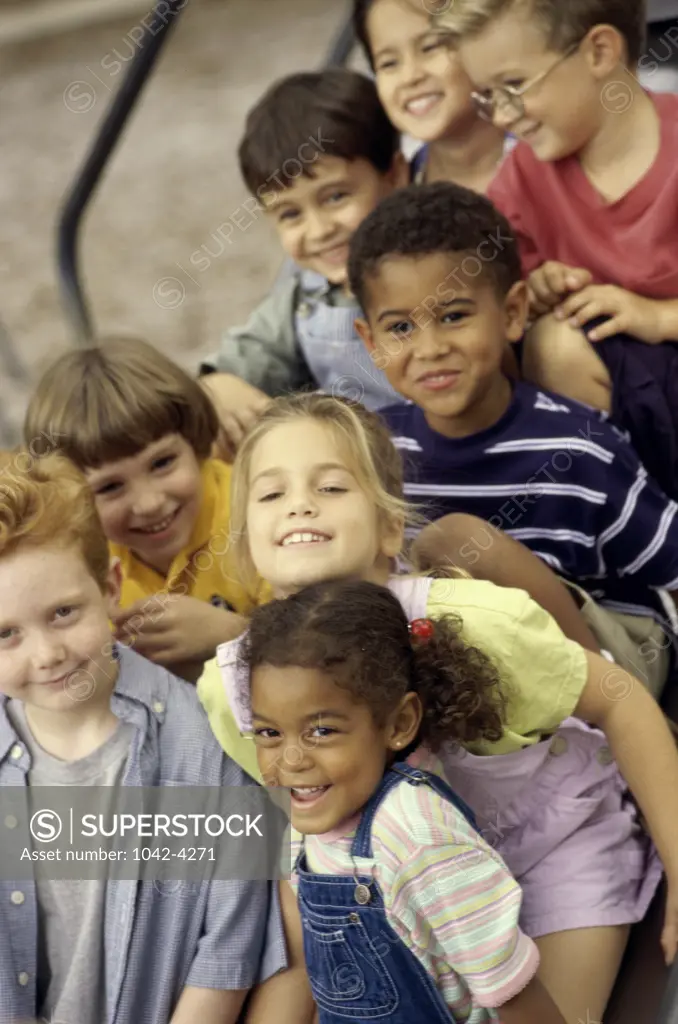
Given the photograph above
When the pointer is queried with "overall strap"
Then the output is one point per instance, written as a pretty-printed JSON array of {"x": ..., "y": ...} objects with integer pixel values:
[
  {"x": 417, "y": 775},
  {"x": 401, "y": 772}
]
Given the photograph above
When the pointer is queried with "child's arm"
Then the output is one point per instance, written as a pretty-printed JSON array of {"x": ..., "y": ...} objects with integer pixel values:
[
  {"x": 649, "y": 320},
  {"x": 286, "y": 997},
  {"x": 242, "y": 941},
  {"x": 455, "y": 540},
  {"x": 238, "y": 406},
  {"x": 466, "y": 904},
  {"x": 645, "y": 752},
  {"x": 208, "y": 1006},
  {"x": 533, "y": 1006}
]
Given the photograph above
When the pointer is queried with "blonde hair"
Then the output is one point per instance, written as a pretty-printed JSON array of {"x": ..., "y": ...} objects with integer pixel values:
[
  {"x": 375, "y": 461},
  {"x": 47, "y": 502},
  {"x": 564, "y": 22},
  {"x": 108, "y": 402}
]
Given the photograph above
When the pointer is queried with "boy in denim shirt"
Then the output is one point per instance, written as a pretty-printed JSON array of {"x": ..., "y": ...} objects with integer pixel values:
[
  {"x": 77, "y": 710},
  {"x": 319, "y": 153}
]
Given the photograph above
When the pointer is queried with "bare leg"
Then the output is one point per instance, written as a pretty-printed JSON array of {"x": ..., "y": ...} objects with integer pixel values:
[
  {"x": 286, "y": 997},
  {"x": 579, "y": 969},
  {"x": 560, "y": 358},
  {"x": 488, "y": 554}
]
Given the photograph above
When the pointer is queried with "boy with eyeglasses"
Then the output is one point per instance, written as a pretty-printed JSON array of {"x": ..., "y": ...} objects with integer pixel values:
[{"x": 591, "y": 190}]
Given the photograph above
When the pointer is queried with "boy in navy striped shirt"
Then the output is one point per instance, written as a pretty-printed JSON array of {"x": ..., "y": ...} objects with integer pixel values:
[{"x": 437, "y": 272}]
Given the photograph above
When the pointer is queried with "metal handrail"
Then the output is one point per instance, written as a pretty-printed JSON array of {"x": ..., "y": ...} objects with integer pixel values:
[
  {"x": 342, "y": 47},
  {"x": 156, "y": 27}
]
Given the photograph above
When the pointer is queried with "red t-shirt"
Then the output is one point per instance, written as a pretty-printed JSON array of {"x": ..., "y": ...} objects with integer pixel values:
[{"x": 557, "y": 214}]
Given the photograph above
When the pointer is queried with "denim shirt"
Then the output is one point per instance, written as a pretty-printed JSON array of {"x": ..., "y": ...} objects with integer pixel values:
[
  {"x": 302, "y": 336},
  {"x": 157, "y": 940},
  {"x": 324, "y": 322}
]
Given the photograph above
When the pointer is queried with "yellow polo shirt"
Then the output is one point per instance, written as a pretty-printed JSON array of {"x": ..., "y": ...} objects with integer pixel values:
[{"x": 205, "y": 568}]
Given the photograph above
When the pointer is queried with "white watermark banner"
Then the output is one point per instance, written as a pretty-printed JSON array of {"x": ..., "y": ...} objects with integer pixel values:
[{"x": 161, "y": 833}]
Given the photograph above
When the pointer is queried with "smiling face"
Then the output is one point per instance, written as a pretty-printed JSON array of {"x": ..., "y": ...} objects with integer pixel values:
[
  {"x": 315, "y": 738},
  {"x": 442, "y": 346},
  {"x": 316, "y": 216},
  {"x": 55, "y": 638},
  {"x": 563, "y": 109},
  {"x": 150, "y": 502},
  {"x": 420, "y": 79},
  {"x": 308, "y": 518}
]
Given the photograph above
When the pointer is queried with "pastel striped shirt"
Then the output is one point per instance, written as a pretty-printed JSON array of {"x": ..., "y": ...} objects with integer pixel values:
[{"x": 448, "y": 896}]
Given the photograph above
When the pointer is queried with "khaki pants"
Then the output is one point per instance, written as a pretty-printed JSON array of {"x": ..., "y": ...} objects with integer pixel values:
[{"x": 637, "y": 643}]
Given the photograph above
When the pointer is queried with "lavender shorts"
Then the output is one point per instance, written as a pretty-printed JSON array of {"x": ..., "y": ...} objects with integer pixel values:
[{"x": 560, "y": 816}]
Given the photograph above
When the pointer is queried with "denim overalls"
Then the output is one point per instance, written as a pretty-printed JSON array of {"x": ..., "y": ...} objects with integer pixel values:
[{"x": 360, "y": 970}]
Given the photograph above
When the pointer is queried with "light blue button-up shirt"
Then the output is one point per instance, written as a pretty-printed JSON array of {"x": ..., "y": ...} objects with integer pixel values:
[{"x": 157, "y": 939}]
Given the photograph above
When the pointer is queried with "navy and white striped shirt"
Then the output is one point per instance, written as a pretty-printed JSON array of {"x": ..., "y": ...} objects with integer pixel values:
[{"x": 558, "y": 477}]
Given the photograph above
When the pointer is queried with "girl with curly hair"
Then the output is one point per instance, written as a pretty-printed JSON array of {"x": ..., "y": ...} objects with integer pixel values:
[{"x": 407, "y": 913}]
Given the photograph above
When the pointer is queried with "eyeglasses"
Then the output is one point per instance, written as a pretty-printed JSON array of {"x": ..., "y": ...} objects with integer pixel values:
[{"x": 506, "y": 98}]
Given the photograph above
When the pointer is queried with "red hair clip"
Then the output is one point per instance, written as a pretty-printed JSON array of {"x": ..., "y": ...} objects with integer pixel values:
[{"x": 423, "y": 629}]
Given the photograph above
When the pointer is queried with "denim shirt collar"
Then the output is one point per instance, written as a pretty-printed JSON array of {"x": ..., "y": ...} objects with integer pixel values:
[
  {"x": 313, "y": 283},
  {"x": 136, "y": 699}
]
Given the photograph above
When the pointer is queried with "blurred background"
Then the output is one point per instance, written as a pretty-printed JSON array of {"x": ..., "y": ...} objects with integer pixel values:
[
  {"x": 168, "y": 250},
  {"x": 172, "y": 188}
]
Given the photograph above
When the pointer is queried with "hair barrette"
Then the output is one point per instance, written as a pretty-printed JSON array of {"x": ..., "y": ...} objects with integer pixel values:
[{"x": 422, "y": 629}]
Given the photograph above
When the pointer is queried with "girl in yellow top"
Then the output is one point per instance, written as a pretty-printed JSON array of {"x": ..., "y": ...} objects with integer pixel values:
[
  {"x": 317, "y": 496},
  {"x": 142, "y": 431}
]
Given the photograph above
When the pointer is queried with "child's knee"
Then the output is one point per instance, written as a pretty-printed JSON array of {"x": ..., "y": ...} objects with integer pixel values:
[{"x": 560, "y": 357}]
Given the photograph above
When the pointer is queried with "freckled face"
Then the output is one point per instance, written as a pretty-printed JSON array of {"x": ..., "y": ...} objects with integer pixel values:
[{"x": 55, "y": 637}]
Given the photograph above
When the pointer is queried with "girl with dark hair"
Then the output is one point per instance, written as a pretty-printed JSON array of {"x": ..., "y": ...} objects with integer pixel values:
[
  {"x": 407, "y": 913},
  {"x": 427, "y": 94}
]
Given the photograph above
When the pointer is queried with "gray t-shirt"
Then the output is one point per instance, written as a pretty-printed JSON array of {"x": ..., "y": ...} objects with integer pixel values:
[{"x": 71, "y": 984}]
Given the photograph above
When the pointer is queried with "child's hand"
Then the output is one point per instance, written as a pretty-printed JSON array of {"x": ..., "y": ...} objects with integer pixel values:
[
  {"x": 549, "y": 282},
  {"x": 629, "y": 313},
  {"x": 238, "y": 405},
  {"x": 170, "y": 629},
  {"x": 670, "y": 931}
]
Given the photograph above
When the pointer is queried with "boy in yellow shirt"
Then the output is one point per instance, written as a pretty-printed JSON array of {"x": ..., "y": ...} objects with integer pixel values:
[{"x": 142, "y": 431}]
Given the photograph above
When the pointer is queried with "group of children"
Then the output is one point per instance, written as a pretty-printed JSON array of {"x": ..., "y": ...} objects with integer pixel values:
[{"x": 413, "y": 534}]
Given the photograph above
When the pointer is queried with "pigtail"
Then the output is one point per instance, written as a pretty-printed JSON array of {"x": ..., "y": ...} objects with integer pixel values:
[{"x": 458, "y": 685}]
